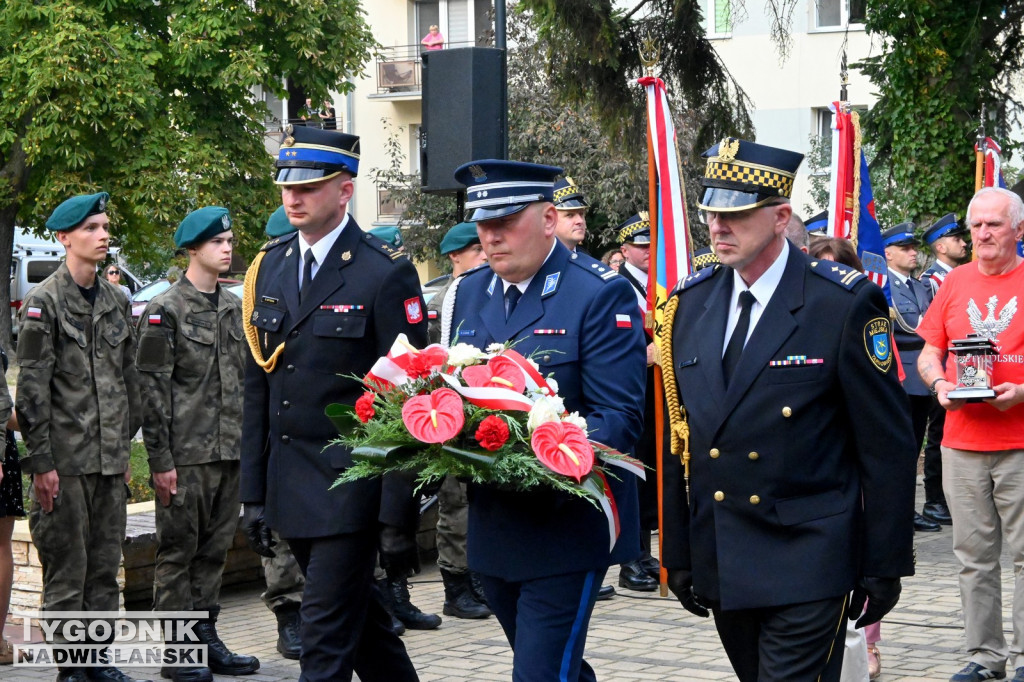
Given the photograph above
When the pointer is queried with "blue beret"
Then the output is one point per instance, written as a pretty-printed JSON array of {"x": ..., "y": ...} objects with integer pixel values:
[
  {"x": 459, "y": 237},
  {"x": 818, "y": 224},
  {"x": 568, "y": 196},
  {"x": 311, "y": 154},
  {"x": 636, "y": 229},
  {"x": 392, "y": 235},
  {"x": 278, "y": 225},
  {"x": 69, "y": 214},
  {"x": 202, "y": 225},
  {"x": 900, "y": 235},
  {"x": 496, "y": 188},
  {"x": 741, "y": 175},
  {"x": 946, "y": 226}
]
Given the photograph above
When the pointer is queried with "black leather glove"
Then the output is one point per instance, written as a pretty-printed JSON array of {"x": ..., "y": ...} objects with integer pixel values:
[
  {"x": 680, "y": 582},
  {"x": 881, "y": 595},
  {"x": 399, "y": 555},
  {"x": 257, "y": 532}
]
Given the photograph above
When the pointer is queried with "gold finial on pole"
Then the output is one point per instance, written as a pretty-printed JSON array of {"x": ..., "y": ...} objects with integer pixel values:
[{"x": 650, "y": 53}]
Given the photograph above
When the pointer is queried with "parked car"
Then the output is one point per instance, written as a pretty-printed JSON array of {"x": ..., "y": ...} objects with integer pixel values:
[{"x": 153, "y": 289}]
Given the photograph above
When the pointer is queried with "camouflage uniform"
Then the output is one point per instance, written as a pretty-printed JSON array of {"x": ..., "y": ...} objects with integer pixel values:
[
  {"x": 78, "y": 406},
  {"x": 191, "y": 363},
  {"x": 284, "y": 578}
]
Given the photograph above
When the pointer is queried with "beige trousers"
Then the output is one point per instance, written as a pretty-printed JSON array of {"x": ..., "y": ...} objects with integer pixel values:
[{"x": 985, "y": 494}]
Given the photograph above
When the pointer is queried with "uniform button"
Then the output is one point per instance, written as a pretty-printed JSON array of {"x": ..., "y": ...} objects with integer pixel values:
[
  {"x": 285, "y": 404},
  {"x": 719, "y": 496},
  {"x": 753, "y": 456},
  {"x": 286, "y": 439},
  {"x": 754, "y": 499},
  {"x": 714, "y": 453},
  {"x": 273, "y": 321},
  {"x": 337, "y": 329},
  {"x": 787, "y": 411},
  {"x": 546, "y": 358},
  {"x": 290, "y": 368}
]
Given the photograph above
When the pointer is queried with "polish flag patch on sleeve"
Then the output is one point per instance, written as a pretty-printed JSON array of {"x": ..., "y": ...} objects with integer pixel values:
[
  {"x": 34, "y": 313},
  {"x": 155, "y": 319},
  {"x": 623, "y": 322}
]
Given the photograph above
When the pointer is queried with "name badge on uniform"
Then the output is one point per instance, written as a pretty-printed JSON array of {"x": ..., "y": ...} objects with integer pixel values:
[
  {"x": 269, "y": 299},
  {"x": 467, "y": 332},
  {"x": 550, "y": 284}
]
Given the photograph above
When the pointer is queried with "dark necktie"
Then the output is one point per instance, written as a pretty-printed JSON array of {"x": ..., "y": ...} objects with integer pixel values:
[
  {"x": 512, "y": 297},
  {"x": 738, "y": 338},
  {"x": 307, "y": 273}
]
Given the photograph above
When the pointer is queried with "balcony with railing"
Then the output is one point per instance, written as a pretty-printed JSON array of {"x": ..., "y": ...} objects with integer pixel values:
[{"x": 399, "y": 71}]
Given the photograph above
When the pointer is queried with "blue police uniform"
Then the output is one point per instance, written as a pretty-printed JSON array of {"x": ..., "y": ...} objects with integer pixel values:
[
  {"x": 363, "y": 296},
  {"x": 946, "y": 226},
  {"x": 542, "y": 555},
  {"x": 793, "y": 494}
]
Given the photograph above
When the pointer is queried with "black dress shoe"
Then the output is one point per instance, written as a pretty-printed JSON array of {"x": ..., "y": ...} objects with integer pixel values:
[
  {"x": 925, "y": 525},
  {"x": 632, "y": 576},
  {"x": 605, "y": 592},
  {"x": 938, "y": 512},
  {"x": 651, "y": 565}
]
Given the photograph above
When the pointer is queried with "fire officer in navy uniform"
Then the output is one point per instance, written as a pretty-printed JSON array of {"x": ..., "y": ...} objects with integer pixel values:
[
  {"x": 572, "y": 214},
  {"x": 910, "y": 299},
  {"x": 542, "y": 555},
  {"x": 322, "y": 305},
  {"x": 782, "y": 497},
  {"x": 947, "y": 239},
  {"x": 634, "y": 238}
]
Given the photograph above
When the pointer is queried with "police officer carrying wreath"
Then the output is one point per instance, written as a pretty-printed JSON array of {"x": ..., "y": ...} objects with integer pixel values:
[
  {"x": 78, "y": 407},
  {"x": 321, "y": 306},
  {"x": 782, "y": 368},
  {"x": 191, "y": 363}
]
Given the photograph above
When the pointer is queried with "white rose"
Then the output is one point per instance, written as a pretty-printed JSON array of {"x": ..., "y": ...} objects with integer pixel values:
[
  {"x": 463, "y": 354},
  {"x": 544, "y": 410},
  {"x": 495, "y": 348},
  {"x": 553, "y": 385},
  {"x": 576, "y": 419}
]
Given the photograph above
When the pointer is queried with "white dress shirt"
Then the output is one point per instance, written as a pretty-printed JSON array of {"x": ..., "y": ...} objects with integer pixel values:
[{"x": 762, "y": 289}]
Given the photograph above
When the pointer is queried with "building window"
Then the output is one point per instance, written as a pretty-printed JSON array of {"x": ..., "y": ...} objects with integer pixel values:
[
  {"x": 462, "y": 22},
  {"x": 839, "y": 13},
  {"x": 719, "y": 15}
]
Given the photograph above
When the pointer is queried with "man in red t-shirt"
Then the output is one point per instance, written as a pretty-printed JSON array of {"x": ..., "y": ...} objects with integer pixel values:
[{"x": 983, "y": 443}]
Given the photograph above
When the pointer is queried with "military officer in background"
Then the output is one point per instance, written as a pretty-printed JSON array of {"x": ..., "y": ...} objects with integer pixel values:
[
  {"x": 910, "y": 299},
  {"x": 788, "y": 498},
  {"x": 78, "y": 407},
  {"x": 461, "y": 246},
  {"x": 281, "y": 572},
  {"x": 946, "y": 240},
  {"x": 572, "y": 214},
  {"x": 641, "y": 575},
  {"x": 541, "y": 555},
  {"x": 191, "y": 362},
  {"x": 321, "y": 306}
]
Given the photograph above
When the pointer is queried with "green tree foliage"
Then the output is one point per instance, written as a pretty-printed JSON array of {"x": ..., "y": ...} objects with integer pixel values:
[
  {"x": 609, "y": 163},
  {"x": 941, "y": 62},
  {"x": 152, "y": 102}
]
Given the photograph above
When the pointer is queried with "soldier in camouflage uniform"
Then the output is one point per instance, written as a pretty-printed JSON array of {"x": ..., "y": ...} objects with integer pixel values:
[
  {"x": 78, "y": 406},
  {"x": 191, "y": 367}
]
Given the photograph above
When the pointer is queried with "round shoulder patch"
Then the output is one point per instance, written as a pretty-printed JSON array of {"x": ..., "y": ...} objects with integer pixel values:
[{"x": 878, "y": 343}]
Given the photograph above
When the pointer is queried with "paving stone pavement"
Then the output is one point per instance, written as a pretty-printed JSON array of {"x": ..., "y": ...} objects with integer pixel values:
[{"x": 633, "y": 636}]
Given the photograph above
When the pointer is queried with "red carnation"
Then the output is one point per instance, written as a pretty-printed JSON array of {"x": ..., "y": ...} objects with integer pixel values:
[
  {"x": 364, "y": 407},
  {"x": 492, "y": 433}
]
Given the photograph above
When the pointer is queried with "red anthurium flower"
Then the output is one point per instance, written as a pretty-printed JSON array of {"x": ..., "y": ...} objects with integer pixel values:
[
  {"x": 492, "y": 433},
  {"x": 434, "y": 418},
  {"x": 563, "y": 448},
  {"x": 499, "y": 372},
  {"x": 364, "y": 407}
]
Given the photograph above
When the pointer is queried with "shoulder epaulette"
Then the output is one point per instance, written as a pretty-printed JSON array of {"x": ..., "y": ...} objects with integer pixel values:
[
  {"x": 842, "y": 275},
  {"x": 472, "y": 271},
  {"x": 593, "y": 266},
  {"x": 277, "y": 241},
  {"x": 702, "y": 275},
  {"x": 383, "y": 247}
]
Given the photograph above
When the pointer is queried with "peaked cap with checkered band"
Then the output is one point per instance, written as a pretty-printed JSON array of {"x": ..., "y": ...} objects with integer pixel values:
[{"x": 742, "y": 175}]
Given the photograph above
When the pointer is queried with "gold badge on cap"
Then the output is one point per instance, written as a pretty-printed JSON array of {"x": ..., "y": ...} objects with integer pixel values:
[
  {"x": 727, "y": 150},
  {"x": 477, "y": 172},
  {"x": 288, "y": 140}
]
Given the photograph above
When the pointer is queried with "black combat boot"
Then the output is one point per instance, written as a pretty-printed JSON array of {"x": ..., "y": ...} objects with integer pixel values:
[
  {"x": 406, "y": 611},
  {"x": 72, "y": 675},
  {"x": 385, "y": 599},
  {"x": 173, "y": 639},
  {"x": 648, "y": 562},
  {"x": 222, "y": 661},
  {"x": 459, "y": 600},
  {"x": 289, "y": 644}
]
